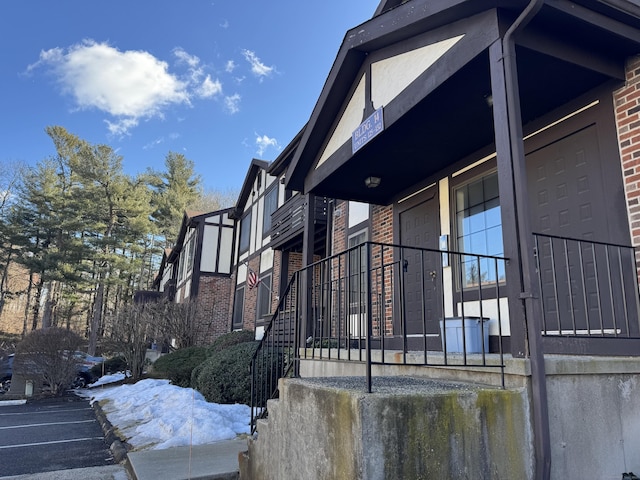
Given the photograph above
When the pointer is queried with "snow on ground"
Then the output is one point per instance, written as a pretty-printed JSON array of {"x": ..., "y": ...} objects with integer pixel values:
[{"x": 154, "y": 414}]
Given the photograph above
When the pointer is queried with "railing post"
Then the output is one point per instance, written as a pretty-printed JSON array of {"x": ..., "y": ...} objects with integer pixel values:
[{"x": 369, "y": 316}]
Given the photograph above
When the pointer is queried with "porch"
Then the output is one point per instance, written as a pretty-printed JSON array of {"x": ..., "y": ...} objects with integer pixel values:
[{"x": 369, "y": 327}]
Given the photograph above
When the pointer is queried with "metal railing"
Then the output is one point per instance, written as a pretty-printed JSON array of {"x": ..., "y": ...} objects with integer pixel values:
[
  {"x": 587, "y": 288},
  {"x": 383, "y": 304},
  {"x": 275, "y": 356}
]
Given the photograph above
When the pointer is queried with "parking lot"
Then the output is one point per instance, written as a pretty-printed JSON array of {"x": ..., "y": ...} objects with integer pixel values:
[{"x": 50, "y": 435}]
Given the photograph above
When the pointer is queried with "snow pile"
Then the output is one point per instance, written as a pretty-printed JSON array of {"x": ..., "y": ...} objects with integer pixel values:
[{"x": 153, "y": 414}]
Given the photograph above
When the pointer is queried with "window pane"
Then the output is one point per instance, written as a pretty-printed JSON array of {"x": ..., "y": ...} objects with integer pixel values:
[
  {"x": 479, "y": 230},
  {"x": 492, "y": 214},
  {"x": 491, "y": 187},
  {"x": 476, "y": 219},
  {"x": 270, "y": 206},
  {"x": 476, "y": 196},
  {"x": 245, "y": 233}
]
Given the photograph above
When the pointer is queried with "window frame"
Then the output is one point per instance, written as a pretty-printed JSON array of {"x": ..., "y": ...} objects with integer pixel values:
[
  {"x": 238, "y": 310},
  {"x": 264, "y": 291},
  {"x": 266, "y": 216},
  {"x": 464, "y": 182},
  {"x": 245, "y": 229}
]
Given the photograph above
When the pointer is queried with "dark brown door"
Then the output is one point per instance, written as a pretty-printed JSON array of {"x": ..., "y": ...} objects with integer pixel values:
[
  {"x": 583, "y": 285},
  {"x": 421, "y": 286}
]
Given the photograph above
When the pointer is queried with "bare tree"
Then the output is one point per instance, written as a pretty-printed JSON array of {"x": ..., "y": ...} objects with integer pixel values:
[{"x": 131, "y": 329}]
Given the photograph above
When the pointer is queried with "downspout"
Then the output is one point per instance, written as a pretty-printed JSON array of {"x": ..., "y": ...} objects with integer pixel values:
[{"x": 542, "y": 440}]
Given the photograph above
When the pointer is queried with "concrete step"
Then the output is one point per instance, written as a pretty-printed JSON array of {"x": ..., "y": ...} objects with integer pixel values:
[{"x": 215, "y": 461}]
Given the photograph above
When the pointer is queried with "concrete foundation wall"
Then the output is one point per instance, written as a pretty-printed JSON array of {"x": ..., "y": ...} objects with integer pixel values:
[
  {"x": 409, "y": 429},
  {"x": 320, "y": 429}
]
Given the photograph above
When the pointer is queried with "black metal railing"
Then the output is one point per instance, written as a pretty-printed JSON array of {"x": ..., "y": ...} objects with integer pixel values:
[
  {"x": 382, "y": 304},
  {"x": 587, "y": 288},
  {"x": 275, "y": 356}
]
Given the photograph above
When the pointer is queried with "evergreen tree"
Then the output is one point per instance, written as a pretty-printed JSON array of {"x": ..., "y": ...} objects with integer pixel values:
[{"x": 174, "y": 191}]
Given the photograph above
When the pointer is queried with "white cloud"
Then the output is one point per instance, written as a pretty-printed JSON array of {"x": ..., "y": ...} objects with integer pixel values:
[
  {"x": 209, "y": 88},
  {"x": 230, "y": 66},
  {"x": 185, "y": 57},
  {"x": 258, "y": 68},
  {"x": 127, "y": 85},
  {"x": 263, "y": 142},
  {"x": 232, "y": 103}
]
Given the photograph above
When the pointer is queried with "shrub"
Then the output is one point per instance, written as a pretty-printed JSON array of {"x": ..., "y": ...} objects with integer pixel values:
[
  {"x": 221, "y": 343},
  {"x": 177, "y": 366},
  {"x": 48, "y": 354},
  {"x": 230, "y": 339},
  {"x": 225, "y": 377}
]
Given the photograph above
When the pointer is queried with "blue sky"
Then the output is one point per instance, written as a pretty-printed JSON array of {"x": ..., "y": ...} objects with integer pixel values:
[{"x": 221, "y": 82}]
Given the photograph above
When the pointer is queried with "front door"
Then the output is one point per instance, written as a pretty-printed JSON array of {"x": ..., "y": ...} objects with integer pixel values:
[
  {"x": 583, "y": 284},
  {"x": 421, "y": 284}
]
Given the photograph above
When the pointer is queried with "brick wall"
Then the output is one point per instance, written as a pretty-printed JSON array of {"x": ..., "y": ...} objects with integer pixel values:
[
  {"x": 627, "y": 105},
  {"x": 214, "y": 300}
]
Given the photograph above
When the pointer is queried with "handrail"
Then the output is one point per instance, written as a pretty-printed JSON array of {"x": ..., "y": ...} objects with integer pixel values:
[{"x": 264, "y": 380}]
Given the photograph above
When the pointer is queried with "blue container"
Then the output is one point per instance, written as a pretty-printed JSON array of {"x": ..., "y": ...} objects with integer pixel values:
[{"x": 472, "y": 332}]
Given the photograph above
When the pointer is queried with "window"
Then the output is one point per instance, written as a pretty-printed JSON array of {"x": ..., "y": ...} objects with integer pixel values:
[
  {"x": 238, "y": 307},
  {"x": 479, "y": 230},
  {"x": 270, "y": 206},
  {"x": 264, "y": 296},
  {"x": 245, "y": 232}
]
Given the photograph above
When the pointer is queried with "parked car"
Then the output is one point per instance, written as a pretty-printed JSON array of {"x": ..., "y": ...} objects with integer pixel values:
[
  {"x": 6, "y": 372},
  {"x": 85, "y": 363}
]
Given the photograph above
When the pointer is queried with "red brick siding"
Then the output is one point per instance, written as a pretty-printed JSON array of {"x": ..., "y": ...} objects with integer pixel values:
[
  {"x": 214, "y": 301},
  {"x": 627, "y": 105}
]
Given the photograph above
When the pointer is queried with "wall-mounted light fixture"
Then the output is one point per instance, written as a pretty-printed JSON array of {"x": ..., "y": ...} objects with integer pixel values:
[{"x": 372, "y": 182}]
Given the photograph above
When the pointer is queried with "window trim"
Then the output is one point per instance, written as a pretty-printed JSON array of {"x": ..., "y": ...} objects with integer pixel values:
[
  {"x": 239, "y": 312},
  {"x": 245, "y": 218},
  {"x": 272, "y": 191},
  {"x": 262, "y": 292},
  {"x": 463, "y": 180}
]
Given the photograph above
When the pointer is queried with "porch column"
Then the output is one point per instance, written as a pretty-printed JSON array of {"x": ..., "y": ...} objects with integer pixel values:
[
  {"x": 525, "y": 312},
  {"x": 308, "y": 241}
]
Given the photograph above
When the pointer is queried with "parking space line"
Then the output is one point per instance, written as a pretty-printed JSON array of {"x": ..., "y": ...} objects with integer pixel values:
[
  {"x": 46, "y": 424},
  {"x": 45, "y": 411},
  {"x": 50, "y": 443}
]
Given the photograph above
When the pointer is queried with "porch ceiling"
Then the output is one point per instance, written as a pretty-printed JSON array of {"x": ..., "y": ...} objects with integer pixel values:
[
  {"x": 566, "y": 51},
  {"x": 447, "y": 126}
]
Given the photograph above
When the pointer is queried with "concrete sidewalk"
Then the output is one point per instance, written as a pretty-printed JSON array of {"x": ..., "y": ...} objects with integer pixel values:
[{"x": 215, "y": 461}]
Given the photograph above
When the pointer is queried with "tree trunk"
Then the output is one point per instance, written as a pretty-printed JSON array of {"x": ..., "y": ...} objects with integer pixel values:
[
  {"x": 4, "y": 282},
  {"x": 36, "y": 304},
  {"x": 25, "y": 324},
  {"x": 95, "y": 319}
]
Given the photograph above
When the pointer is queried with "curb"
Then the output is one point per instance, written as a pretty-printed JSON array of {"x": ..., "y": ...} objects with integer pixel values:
[{"x": 118, "y": 448}]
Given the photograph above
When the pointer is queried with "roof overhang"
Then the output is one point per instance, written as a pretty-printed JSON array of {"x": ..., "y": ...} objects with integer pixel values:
[
  {"x": 255, "y": 166},
  {"x": 443, "y": 114}
]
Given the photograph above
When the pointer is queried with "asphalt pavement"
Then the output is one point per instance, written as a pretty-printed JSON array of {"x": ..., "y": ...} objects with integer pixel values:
[
  {"x": 67, "y": 439},
  {"x": 54, "y": 438}
]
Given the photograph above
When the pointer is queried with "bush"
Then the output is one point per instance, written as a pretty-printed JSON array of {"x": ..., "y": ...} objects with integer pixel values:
[
  {"x": 230, "y": 339},
  {"x": 178, "y": 366},
  {"x": 48, "y": 354},
  {"x": 225, "y": 377}
]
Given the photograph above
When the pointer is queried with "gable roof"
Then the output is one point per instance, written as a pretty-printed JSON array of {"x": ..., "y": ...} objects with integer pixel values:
[
  {"x": 254, "y": 167},
  {"x": 568, "y": 49}
]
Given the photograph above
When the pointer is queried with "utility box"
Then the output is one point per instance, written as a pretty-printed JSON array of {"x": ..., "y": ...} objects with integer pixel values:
[{"x": 471, "y": 337}]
